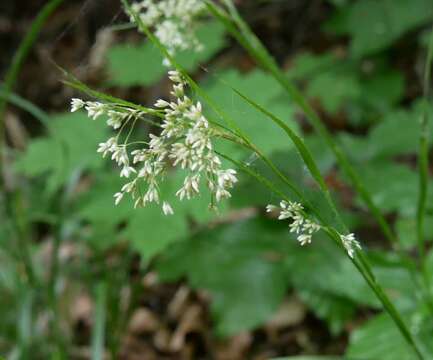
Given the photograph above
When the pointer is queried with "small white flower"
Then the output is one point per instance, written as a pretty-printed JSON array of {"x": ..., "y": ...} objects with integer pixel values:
[
  {"x": 304, "y": 239},
  {"x": 271, "y": 208},
  {"x": 162, "y": 103},
  {"x": 300, "y": 225},
  {"x": 127, "y": 171},
  {"x": 109, "y": 146},
  {"x": 77, "y": 104},
  {"x": 227, "y": 178},
  {"x": 222, "y": 193},
  {"x": 115, "y": 119},
  {"x": 350, "y": 244},
  {"x": 120, "y": 156},
  {"x": 175, "y": 76},
  {"x": 184, "y": 142},
  {"x": 151, "y": 195},
  {"x": 129, "y": 187},
  {"x": 139, "y": 202},
  {"x": 118, "y": 197},
  {"x": 167, "y": 209},
  {"x": 95, "y": 109}
]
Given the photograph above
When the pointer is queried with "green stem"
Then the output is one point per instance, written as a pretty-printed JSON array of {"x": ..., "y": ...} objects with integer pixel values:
[
  {"x": 256, "y": 49},
  {"x": 366, "y": 270},
  {"x": 360, "y": 262},
  {"x": 17, "y": 62},
  {"x": 12, "y": 206},
  {"x": 423, "y": 167}
]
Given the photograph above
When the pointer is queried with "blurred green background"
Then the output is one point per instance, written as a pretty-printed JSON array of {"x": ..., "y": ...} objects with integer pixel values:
[{"x": 83, "y": 279}]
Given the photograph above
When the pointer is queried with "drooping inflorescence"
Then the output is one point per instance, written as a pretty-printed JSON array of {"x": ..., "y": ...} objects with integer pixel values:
[
  {"x": 350, "y": 244},
  {"x": 173, "y": 21},
  {"x": 303, "y": 227},
  {"x": 184, "y": 142}
]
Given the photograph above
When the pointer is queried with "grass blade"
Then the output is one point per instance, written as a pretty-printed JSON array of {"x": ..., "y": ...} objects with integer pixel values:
[
  {"x": 241, "y": 31},
  {"x": 99, "y": 322},
  {"x": 18, "y": 61},
  {"x": 362, "y": 267},
  {"x": 26, "y": 105},
  {"x": 78, "y": 85},
  {"x": 423, "y": 165}
]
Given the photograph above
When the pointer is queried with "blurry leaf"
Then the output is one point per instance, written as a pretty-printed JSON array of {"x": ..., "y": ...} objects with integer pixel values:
[
  {"x": 334, "y": 89},
  {"x": 397, "y": 134},
  {"x": 250, "y": 120},
  {"x": 342, "y": 84},
  {"x": 424, "y": 38},
  {"x": 394, "y": 187},
  {"x": 406, "y": 229},
  {"x": 374, "y": 25},
  {"x": 150, "y": 231},
  {"x": 330, "y": 81},
  {"x": 97, "y": 204},
  {"x": 336, "y": 311},
  {"x": 338, "y": 3},
  {"x": 130, "y": 65},
  {"x": 379, "y": 338},
  {"x": 383, "y": 90},
  {"x": 307, "y": 65},
  {"x": 234, "y": 263},
  {"x": 72, "y": 147},
  {"x": 333, "y": 272},
  {"x": 99, "y": 321},
  {"x": 311, "y": 357},
  {"x": 337, "y": 280},
  {"x": 250, "y": 192},
  {"x": 322, "y": 154},
  {"x": 395, "y": 279}
]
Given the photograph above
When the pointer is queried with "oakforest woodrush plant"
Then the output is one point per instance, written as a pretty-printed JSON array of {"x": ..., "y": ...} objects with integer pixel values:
[{"x": 186, "y": 136}]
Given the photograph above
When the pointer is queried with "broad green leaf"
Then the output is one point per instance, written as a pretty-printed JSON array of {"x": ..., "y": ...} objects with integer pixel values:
[
  {"x": 307, "y": 65},
  {"x": 328, "y": 271},
  {"x": 130, "y": 65},
  {"x": 397, "y": 134},
  {"x": 394, "y": 187},
  {"x": 375, "y": 25},
  {"x": 71, "y": 147},
  {"x": 383, "y": 89},
  {"x": 329, "y": 80},
  {"x": 96, "y": 207},
  {"x": 339, "y": 84},
  {"x": 235, "y": 264},
  {"x": 334, "y": 89},
  {"x": 335, "y": 310},
  {"x": 329, "y": 283},
  {"x": 150, "y": 231},
  {"x": 134, "y": 65},
  {"x": 377, "y": 339},
  {"x": 335, "y": 276},
  {"x": 291, "y": 166},
  {"x": 406, "y": 229},
  {"x": 251, "y": 121}
]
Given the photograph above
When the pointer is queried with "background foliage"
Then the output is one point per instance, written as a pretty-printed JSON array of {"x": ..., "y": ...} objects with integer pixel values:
[{"x": 363, "y": 77}]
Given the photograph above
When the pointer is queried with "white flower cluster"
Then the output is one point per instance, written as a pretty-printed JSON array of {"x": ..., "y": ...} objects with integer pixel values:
[
  {"x": 116, "y": 115},
  {"x": 172, "y": 20},
  {"x": 304, "y": 228},
  {"x": 185, "y": 141},
  {"x": 350, "y": 244}
]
